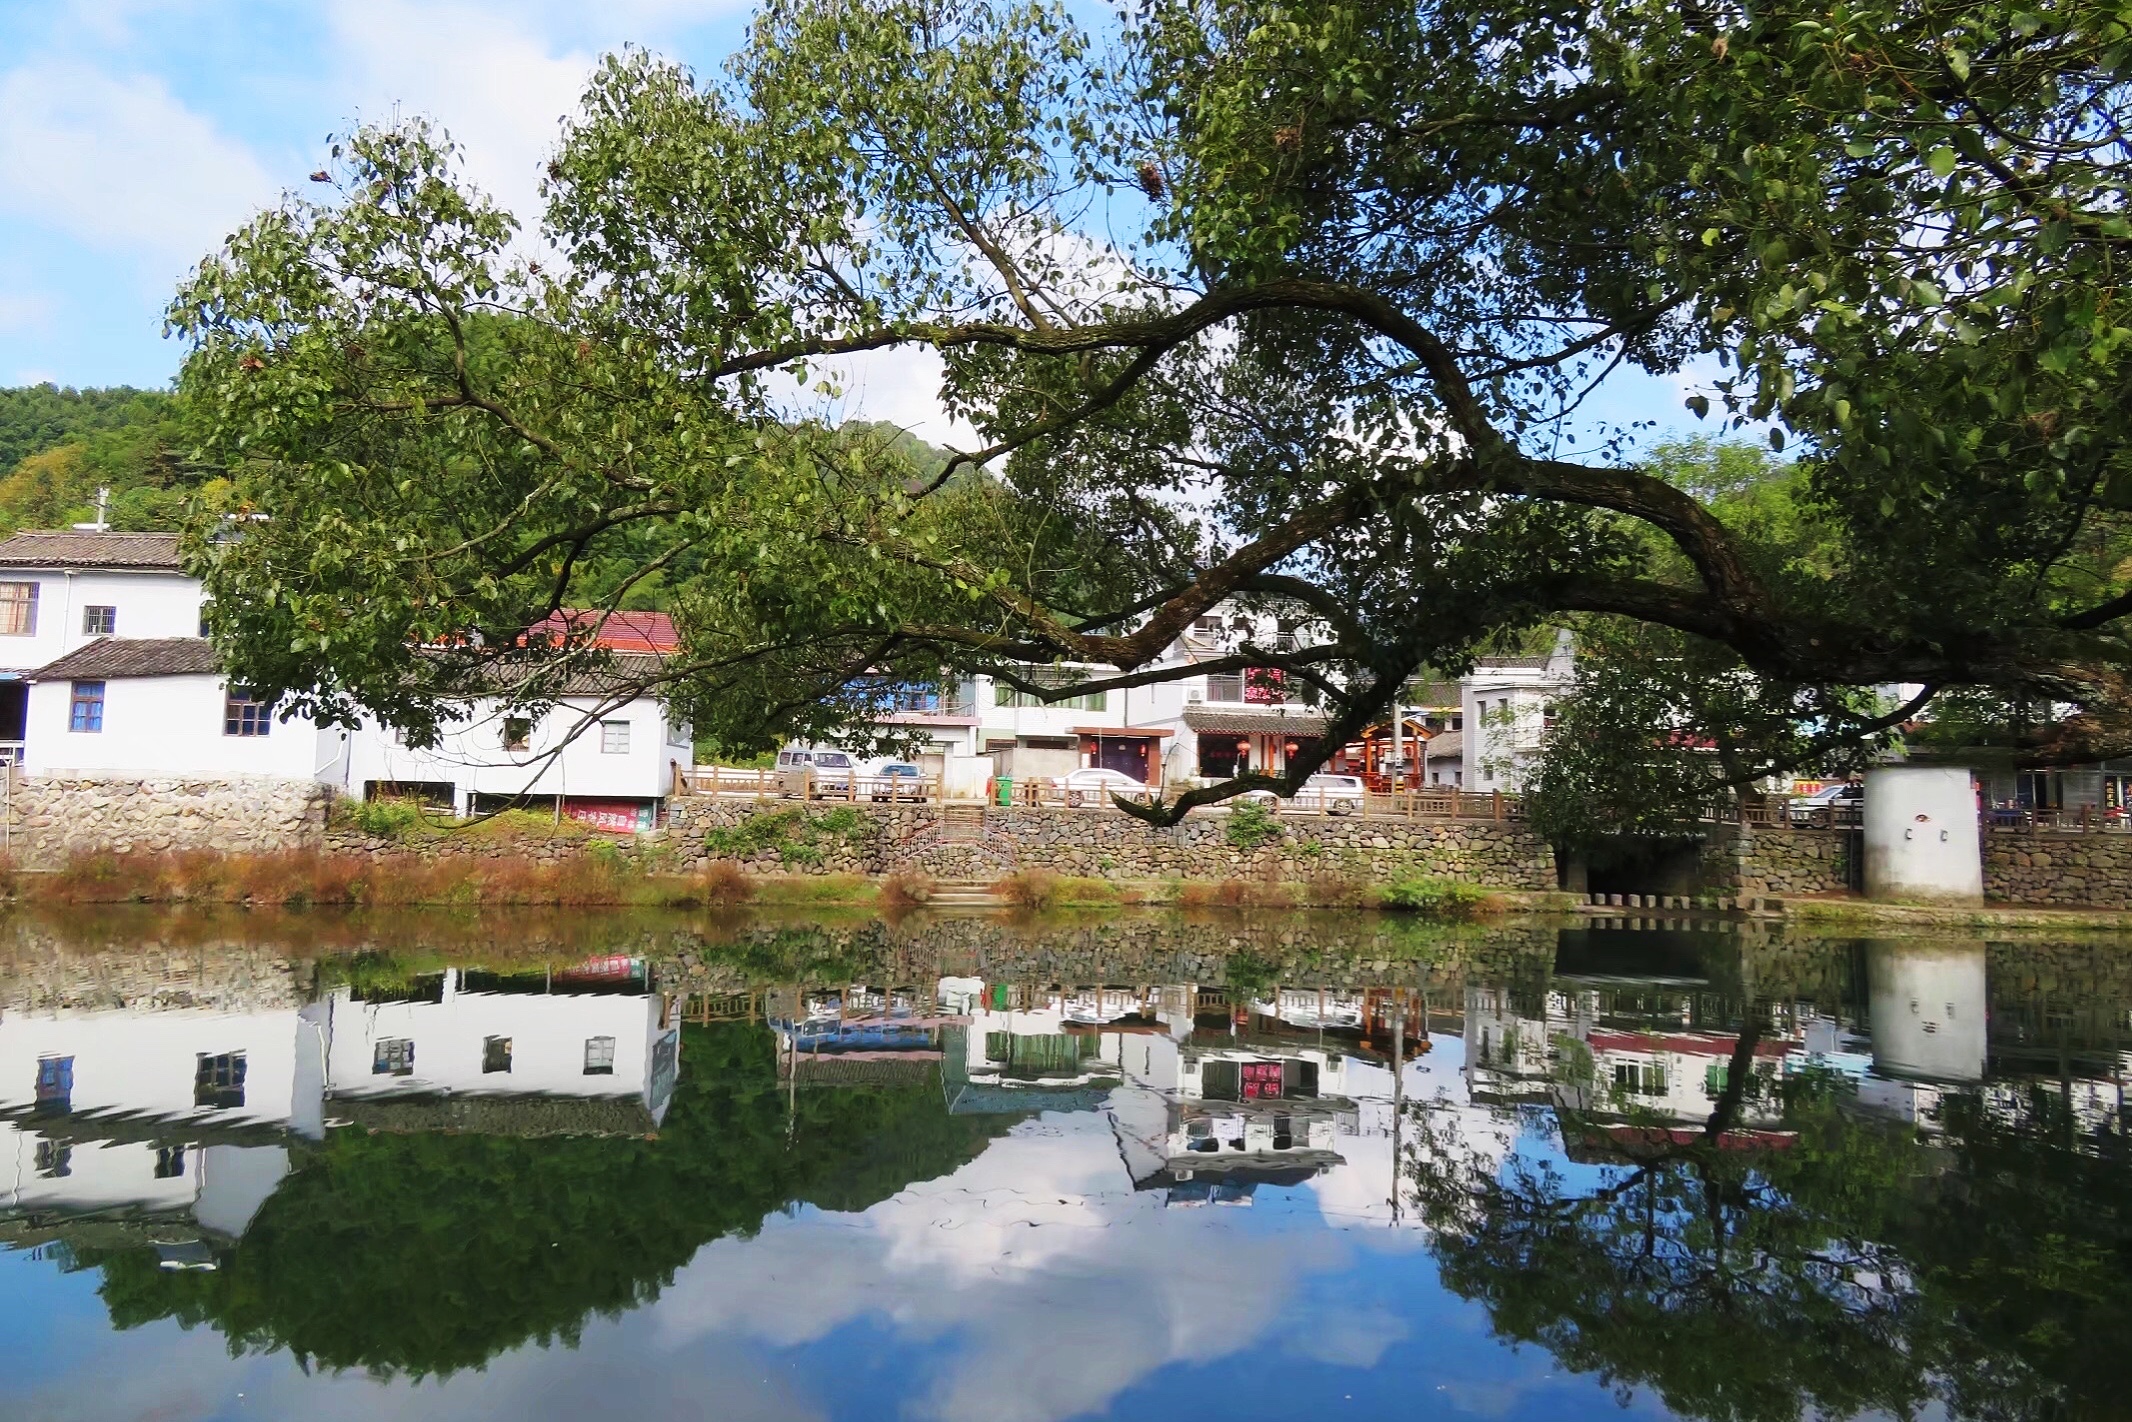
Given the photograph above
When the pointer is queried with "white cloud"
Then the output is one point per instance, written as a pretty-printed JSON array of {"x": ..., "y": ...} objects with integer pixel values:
[
  {"x": 498, "y": 87},
  {"x": 121, "y": 164}
]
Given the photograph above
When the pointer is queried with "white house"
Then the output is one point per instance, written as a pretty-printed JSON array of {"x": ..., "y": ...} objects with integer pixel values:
[
  {"x": 1506, "y": 705},
  {"x": 103, "y": 671},
  {"x": 606, "y": 761},
  {"x": 161, "y": 706},
  {"x": 60, "y": 590}
]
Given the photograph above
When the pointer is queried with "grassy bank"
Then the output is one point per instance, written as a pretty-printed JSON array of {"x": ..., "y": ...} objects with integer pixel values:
[
  {"x": 604, "y": 877},
  {"x": 1863, "y": 915}
]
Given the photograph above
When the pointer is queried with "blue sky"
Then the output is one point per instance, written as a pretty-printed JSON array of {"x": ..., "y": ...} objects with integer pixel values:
[{"x": 134, "y": 134}]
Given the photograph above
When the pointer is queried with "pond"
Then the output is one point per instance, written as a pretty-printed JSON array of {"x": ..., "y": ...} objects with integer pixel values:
[{"x": 968, "y": 1168}]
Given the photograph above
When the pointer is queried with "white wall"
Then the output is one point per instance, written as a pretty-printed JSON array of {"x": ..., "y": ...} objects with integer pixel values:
[
  {"x": 547, "y": 1033},
  {"x": 149, "y": 605},
  {"x": 471, "y": 755},
  {"x": 141, "y": 1064},
  {"x": 172, "y": 725},
  {"x": 1499, "y": 742}
]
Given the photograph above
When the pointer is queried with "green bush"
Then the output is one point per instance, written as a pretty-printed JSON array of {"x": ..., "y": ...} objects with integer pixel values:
[
  {"x": 386, "y": 819},
  {"x": 1439, "y": 898},
  {"x": 796, "y": 835},
  {"x": 1252, "y": 825}
]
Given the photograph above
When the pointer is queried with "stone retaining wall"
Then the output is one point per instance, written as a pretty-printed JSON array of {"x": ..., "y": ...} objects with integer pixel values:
[
  {"x": 1101, "y": 843},
  {"x": 1751, "y": 862},
  {"x": 50, "y": 817},
  {"x": 2050, "y": 868}
]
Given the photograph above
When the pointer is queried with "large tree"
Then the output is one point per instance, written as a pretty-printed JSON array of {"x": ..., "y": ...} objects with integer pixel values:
[{"x": 1296, "y": 303}]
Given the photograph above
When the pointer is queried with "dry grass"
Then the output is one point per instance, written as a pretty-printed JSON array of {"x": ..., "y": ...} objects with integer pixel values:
[
  {"x": 1033, "y": 889},
  {"x": 904, "y": 890},
  {"x": 306, "y": 878},
  {"x": 726, "y": 883},
  {"x": 1234, "y": 893}
]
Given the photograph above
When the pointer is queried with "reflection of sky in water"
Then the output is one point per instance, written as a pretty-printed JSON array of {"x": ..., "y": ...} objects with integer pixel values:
[{"x": 1032, "y": 1285}]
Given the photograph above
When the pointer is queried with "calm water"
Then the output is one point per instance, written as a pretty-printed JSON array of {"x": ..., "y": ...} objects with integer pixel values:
[{"x": 978, "y": 1171}]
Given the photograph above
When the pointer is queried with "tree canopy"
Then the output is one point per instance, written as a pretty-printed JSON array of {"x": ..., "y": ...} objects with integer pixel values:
[
  {"x": 59, "y": 447},
  {"x": 423, "y": 1254},
  {"x": 1289, "y": 302}
]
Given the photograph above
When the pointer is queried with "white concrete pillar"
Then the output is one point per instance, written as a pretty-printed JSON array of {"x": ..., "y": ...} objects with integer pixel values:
[{"x": 1921, "y": 839}]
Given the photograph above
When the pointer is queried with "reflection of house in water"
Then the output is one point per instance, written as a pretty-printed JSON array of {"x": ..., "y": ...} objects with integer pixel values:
[
  {"x": 858, "y": 1034},
  {"x": 165, "y": 1119},
  {"x": 1209, "y": 1099},
  {"x": 1609, "y": 1047},
  {"x": 573, "y": 1052},
  {"x": 178, "y": 1121}
]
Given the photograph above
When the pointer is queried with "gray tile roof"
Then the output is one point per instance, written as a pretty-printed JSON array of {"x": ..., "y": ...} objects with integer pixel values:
[
  {"x": 1252, "y": 720},
  {"x": 1450, "y": 745},
  {"x": 80, "y": 548},
  {"x": 109, "y": 658}
]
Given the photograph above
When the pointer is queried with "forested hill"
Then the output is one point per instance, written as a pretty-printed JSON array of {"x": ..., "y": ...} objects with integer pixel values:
[{"x": 57, "y": 447}]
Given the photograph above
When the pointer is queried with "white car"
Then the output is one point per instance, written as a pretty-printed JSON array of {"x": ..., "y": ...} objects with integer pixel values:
[
  {"x": 1839, "y": 804},
  {"x": 813, "y": 771},
  {"x": 1333, "y": 794},
  {"x": 1094, "y": 785}
]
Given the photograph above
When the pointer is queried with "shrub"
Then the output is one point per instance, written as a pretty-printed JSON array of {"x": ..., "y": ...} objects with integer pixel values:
[
  {"x": 1252, "y": 826},
  {"x": 727, "y": 884},
  {"x": 1330, "y": 890},
  {"x": 1440, "y": 898},
  {"x": 1028, "y": 888},
  {"x": 904, "y": 890},
  {"x": 387, "y": 819}
]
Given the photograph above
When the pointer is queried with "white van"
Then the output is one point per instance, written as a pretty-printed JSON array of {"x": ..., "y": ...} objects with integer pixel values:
[{"x": 814, "y": 770}]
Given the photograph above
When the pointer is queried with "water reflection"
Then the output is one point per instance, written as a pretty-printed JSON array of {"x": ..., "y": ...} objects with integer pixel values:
[{"x": 1735, "y": 1176}]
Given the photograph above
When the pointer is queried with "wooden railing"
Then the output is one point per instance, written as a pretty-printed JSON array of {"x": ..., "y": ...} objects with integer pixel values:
[{"x": 809, "y": 784}]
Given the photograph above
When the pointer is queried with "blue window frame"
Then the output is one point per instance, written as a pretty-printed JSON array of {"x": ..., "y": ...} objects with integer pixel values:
[{"x": 86, "y": 712}]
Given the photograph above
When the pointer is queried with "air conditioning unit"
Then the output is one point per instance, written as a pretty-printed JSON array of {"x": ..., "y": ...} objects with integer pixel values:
[{"x": 1194, "y": 697}]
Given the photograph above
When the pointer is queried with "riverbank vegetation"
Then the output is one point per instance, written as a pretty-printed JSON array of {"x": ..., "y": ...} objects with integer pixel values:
[{"x": 603, "y": 875}]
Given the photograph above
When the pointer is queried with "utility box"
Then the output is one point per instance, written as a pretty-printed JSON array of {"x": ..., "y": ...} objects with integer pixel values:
[{"x": 1921, "y": 841}]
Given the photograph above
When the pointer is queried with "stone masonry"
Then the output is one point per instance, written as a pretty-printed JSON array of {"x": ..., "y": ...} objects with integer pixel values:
[
  {"x": 2058, "y": 868},
  {"x": 1106, "y": 844},
  {"x": 1774, "y": 861},
  {"x": 52, "y": 817}
]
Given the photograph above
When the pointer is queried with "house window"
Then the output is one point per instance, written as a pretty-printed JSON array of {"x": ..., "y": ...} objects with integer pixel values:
[
  {"x": 243, "y": 716},
  {"x": 495, "y": 1054},
  {"x": 203, "y": 617},
  {"x": 517, "y": 732},
  {"x": 1225, "y": 686},
  {"x": 1640, "y": 1078},
  {"x": 614, "y": 738},
  {"x": 599, "y": 1056},
  {"x": 169, "y": 1162},
  {"x": 218, "y": 1080},
  {"x": 99, "y": 621},
  {"x": 54, "y": 1161},
  {"x": 394, "y": 1056},
  {"x": 86, "y": 710},
  {"x": 55, "y": 1085},
  {"x": 18, "y": 609}
]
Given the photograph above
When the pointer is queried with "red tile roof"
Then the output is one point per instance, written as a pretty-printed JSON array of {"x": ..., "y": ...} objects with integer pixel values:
[{"x": 615, "y": 631}]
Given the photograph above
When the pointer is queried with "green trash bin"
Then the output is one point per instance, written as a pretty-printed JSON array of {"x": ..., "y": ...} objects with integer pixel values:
[{"x": 1003, "y": 791}]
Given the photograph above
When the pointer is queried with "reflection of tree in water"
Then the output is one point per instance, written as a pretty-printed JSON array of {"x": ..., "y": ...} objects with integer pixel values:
[
  {"x": 1833, "y": 1265},
  {"x": 423, "y": 1254}
]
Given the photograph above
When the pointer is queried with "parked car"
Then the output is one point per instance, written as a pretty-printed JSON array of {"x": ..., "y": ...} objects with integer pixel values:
[
  {"x": 814, "y": 771},
  {"x": 1841, "y": 804},
  {"x": 899, "y": 780},
  {"x": 1333, "y": 794},
  {"x": 1094, "y": 785}
]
